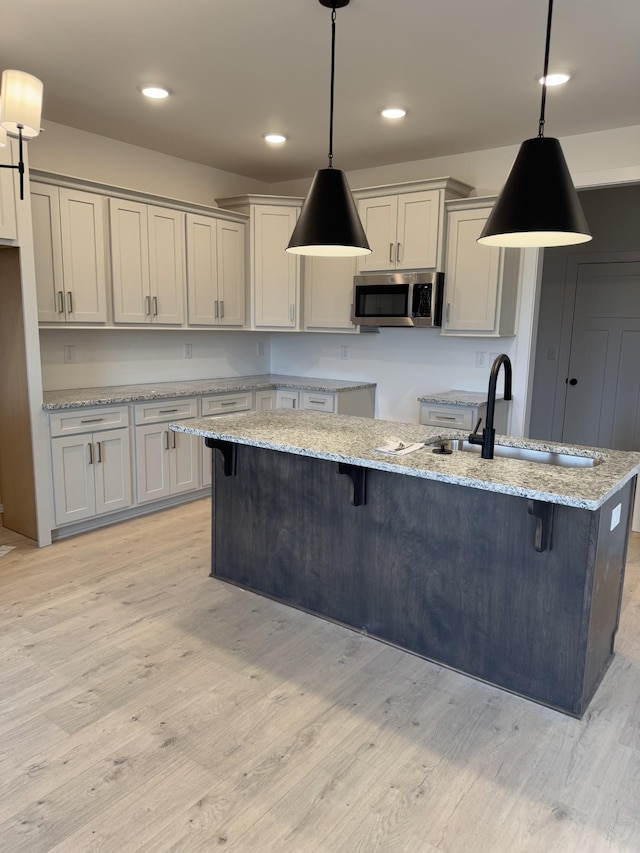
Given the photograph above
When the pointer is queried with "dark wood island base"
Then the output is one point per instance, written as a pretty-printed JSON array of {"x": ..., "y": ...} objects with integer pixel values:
[{"x": 522, "y": 594}]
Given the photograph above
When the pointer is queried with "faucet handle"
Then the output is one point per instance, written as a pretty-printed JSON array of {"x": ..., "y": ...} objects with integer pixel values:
[{"x": 474, "y": 438}]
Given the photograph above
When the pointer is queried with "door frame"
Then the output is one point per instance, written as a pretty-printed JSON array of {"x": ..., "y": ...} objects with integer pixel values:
[{"x": 566, "y": 333}]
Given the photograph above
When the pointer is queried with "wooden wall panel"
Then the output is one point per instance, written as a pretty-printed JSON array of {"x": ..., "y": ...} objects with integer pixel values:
[{"x": 17, "y": 489}]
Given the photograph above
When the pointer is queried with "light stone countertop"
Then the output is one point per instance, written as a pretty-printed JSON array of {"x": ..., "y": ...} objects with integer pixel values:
[
  {"x": 115, "y": 394},
  {"x": 343, "y": 438},
  {"x": 457, "y": 398}
]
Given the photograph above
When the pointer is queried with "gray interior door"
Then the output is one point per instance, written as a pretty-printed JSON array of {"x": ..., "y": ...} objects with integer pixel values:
[{"x": 602, "y": 407}]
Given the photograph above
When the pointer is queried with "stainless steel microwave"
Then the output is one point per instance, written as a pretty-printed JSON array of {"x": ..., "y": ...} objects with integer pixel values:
[{"x": 398, "y": 299}]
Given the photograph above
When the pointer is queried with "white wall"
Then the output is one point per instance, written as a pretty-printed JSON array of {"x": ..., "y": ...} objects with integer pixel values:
[
  {"x": 405, "y": 363},
  {"x": 68, "y": 151},
  {"x": 586, "y": 154},
  {"x": 127, "y": 356}
]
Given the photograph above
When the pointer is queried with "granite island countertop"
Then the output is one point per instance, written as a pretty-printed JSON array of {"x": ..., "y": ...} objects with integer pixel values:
[
  {"x": 343, "y": 438},
  {"x": 118, "y": 394}
]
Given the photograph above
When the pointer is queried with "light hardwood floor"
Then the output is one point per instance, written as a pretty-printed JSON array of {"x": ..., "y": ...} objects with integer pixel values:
[{"x": 146, "y": 707}]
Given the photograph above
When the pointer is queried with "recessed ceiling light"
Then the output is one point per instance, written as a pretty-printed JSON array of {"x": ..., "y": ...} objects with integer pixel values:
[
  {"x": 555, "y": 79},
  {"x": 275, "y": 138},
  {"x": 393, "y": 112},
  {"x": 156, "y": 93}
]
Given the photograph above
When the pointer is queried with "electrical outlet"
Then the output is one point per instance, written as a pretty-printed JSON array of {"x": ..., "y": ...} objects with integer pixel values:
[
  {"x": 344, "y": 352},
  {"x": 69, "y": 354},
  {"x": 481, "y": 358},
  {"x": 188, "y": 350},
  {"x": 260, "y": 349}
]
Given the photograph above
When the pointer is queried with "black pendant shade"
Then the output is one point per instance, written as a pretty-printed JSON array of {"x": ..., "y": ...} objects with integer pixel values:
[
  {"x": 329, "y": 224},
  {"x": 538, "y": 205}
]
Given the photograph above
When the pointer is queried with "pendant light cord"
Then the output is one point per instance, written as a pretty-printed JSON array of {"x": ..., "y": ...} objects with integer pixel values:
[
  {"x": 545, "y": 72},
  {"x": 333, "y": 74}
]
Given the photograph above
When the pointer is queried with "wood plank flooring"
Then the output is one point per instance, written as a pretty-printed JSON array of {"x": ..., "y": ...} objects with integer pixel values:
[{"x": 147, "y": 707}]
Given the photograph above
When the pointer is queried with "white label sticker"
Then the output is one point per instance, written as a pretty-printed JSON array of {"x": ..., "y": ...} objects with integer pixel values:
[{"x": 615, "y": 516}]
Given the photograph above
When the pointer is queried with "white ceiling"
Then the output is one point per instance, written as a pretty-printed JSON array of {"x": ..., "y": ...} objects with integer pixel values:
[{"x": 466, "y": 69}]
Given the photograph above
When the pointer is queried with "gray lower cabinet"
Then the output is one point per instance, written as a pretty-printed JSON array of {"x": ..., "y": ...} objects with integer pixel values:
[
  {"x": 167, "y": 463},
  {"x": 91, "y": 459}
]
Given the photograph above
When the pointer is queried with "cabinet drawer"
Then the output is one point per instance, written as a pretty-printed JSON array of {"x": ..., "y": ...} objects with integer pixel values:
[
  {"x": 73, "y": 421},
  {"x": 318, "y": 402},
  {"x": 456, "y": 417},
  {"x": 222, "y": 404},
  {"x": 166, "y": 410}
]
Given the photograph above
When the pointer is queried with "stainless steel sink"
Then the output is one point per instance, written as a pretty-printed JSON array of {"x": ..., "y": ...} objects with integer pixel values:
[
  {"x": 527, "y": 454},
  {"x": 524, "y": 454}
]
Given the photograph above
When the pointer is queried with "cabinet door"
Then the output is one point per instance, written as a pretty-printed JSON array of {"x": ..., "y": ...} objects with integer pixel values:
[
  {"x": 328, "y": 292},
  {"x": 202, "y": 270},
  {"x": 265, "y": 401},
  {"x": 379, "y": 217},
  {"x": 183, "y": 462},
  {"x": 83, "y": 256},
  {"x": 130, "y": 262},
  {"x": 231, "y": 273},
  {"x": 417, "y": 233},
  {"x": 47, "y": 250},
  {"x": 275, "y": 271},
  {"x": 167, "y": 278},
  {"x": 73, "y": 478},
  {"x": 152, "y": 462},
  {"x": 112, "y": 468},
  {"x": 471, "y": 274},
  {"x": 8, "y": 225},
  {"x": 287, "y": 400}
]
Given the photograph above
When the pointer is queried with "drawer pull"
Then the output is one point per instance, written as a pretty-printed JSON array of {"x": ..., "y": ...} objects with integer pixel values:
[
  {"x": 444, "y": 417},
  {"x": 92, "y": 421},
  {"x": 232, "y": 403},
  {"x": 167, "y": 411},
  {"x": 319, "y": 402}
]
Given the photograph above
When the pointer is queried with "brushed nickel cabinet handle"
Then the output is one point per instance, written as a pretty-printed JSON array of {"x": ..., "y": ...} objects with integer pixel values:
[
  {"x": 147, "y": 306},
  {"x": 173, "y": 440},
  {"x": 60, "y": 302},
  {"x": 397, "y": 253},
  {"x": 90, "y": 453},
  {"x": 69, "y": 302},
  {"x": 231, "y": 403},
  {"x": 166, "y": 439},
  {"x": 222, "y": 309},
  {"x": 99, "y": 449},
  {"x": 390, "y": 253},
  {"x": 155, "y": 306},
  {"x": 167, "y": 411}
]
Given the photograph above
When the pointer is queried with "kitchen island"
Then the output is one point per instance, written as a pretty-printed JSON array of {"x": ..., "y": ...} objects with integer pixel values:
[{"x": 508, "y": 570}]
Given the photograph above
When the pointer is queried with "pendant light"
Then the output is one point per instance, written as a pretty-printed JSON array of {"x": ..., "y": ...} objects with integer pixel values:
[
  {"x": 329, "y": 224},
  {"x": 538, "y": 205}
]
